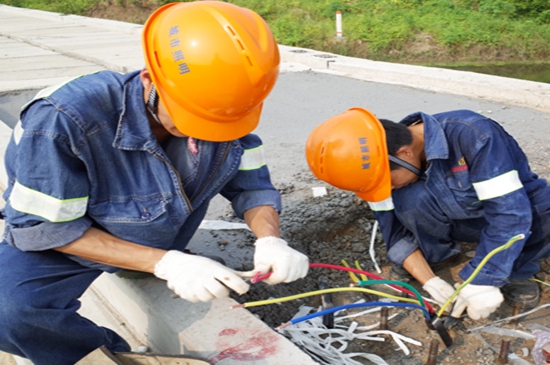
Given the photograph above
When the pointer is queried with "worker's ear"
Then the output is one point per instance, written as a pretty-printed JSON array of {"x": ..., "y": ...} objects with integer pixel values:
[
  {"x": 404, "y": 153},
  {"x": 145, "y": 77}
]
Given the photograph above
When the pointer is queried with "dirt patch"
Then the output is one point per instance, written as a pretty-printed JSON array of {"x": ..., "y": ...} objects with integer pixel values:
[
  {"x": 338, "y": 226},
  {"x": 136, "y": 12}
]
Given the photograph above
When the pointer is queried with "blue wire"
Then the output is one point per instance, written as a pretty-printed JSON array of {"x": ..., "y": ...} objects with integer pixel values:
[{"x": 356, "y": 305}]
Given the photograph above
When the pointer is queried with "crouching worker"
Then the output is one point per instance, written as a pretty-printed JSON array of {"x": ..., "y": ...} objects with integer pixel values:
[
  {"x": 112, "y": 171},
  {"x": 434, "y": 181}
]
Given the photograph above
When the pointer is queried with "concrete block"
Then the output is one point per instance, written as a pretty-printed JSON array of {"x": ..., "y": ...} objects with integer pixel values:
[{"x": 207, "y": 330}]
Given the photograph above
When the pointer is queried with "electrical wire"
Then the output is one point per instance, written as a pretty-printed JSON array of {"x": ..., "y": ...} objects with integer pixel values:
[
  {"x": 369, "y": 274},
  {"x": 351, "y": 274},
  {"x": 544, "y": 306},
  {"x": 319, "y": 292},
  {"x": 505, "y": 246},
  {"x": 381, "y": 282},
  {"x": 348, "y": 306},
  {"x": 540, "y": 281}
]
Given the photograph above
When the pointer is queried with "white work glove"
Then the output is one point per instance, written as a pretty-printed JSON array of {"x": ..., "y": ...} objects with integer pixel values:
[
  {"x": 481, "y": 301},
  {"x": 285, "y": 263},
  {"x": 439, "y": 289},
  {"x": 196, "y": 278}
]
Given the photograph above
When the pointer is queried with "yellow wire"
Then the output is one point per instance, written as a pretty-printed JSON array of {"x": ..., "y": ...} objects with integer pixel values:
[
  {"x": 540, "y": 281},
  {"x": 352, "y": 275},
  {"x": 507, "y": 245},
  {"x": 325, "y": 291},
  {"x": 358, "y": 267}
]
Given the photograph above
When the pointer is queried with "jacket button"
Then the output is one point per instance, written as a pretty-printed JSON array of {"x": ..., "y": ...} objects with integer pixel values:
[{"x": 145, "y": 215}]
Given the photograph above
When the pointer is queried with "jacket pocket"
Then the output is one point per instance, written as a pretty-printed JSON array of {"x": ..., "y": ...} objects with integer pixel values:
[
  {"x": 128, "y": 210},
  {"x": 143, "y": 221}
]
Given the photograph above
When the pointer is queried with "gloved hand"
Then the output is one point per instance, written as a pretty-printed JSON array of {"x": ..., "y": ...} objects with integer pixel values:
[
  {"x": 439, "y": 289},
  {"x": 285, "y": 264},
  {"x": 481, "y": 301},
  {"x": 196, "y": 278}
]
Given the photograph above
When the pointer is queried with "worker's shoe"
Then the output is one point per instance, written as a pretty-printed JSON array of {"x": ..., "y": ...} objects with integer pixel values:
[
  {"x": 102, "y": 356},
  {"x": 524, "y": 292}
]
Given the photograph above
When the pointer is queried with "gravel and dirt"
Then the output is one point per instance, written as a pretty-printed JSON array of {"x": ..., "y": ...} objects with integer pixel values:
[{"x": 337, "y": 227}]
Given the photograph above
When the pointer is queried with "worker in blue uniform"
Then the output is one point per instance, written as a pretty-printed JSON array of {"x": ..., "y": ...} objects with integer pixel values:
[
  {"x": 434, "y": 181},
  {"x": 115, "y": 171}
]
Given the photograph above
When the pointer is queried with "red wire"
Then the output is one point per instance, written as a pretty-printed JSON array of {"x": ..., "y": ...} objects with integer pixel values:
[{"x": 357, "y": 271}]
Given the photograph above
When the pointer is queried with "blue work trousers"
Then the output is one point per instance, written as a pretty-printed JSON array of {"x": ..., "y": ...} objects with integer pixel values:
[{"x": 438, "y": 235}]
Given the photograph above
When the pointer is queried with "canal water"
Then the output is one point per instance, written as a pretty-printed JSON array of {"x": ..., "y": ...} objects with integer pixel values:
[{"x": 539, "y": 72}]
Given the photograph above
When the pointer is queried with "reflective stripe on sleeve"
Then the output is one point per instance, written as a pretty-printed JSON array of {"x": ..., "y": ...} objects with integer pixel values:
[
  {"x": 253, "y": 159},
  {"x": 18, "y": 132},
  {"x": 30, "y": 201},
  {"x": 498, "y": 186},
  {"x": 383, "y": 206}
]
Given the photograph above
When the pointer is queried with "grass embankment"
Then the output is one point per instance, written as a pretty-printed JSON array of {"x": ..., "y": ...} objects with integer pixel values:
[{"x": 411, "y": 31}]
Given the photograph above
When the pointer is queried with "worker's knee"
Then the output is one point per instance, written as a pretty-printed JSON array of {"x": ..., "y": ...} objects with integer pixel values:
[
  {"x": 413, "y": 200},
  {"x": 14, "y": 321},
  {"x": 17, "y": 309}
]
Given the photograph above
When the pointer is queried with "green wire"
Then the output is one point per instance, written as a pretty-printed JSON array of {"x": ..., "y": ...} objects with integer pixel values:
[
  {"x": 400, "y": 283},
  {"x": 505, "y": 246}
]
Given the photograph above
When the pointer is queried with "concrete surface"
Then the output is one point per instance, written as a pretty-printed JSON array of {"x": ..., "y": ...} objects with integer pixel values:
[{"x": 38, "y": 49}]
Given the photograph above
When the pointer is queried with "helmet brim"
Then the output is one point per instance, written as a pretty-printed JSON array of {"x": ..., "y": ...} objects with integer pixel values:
[{"x": 209, "y": 130}]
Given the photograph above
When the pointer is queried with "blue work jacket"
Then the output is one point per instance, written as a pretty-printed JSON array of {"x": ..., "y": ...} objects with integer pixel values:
[
  {"x": 83, "y": 154},
  {"x": 476, "y": 171}
]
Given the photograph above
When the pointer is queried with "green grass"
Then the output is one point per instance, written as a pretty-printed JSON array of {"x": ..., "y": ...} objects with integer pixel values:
[{"x": 388, "y": 29}]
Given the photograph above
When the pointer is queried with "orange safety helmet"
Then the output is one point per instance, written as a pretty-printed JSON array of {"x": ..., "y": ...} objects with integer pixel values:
[
  {"x": 349, "y": 151},
  {"x": 213, "y": 64}
]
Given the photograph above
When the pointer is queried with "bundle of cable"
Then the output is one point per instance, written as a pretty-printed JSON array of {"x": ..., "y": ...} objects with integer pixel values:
[{"x": 328, "y": 346}]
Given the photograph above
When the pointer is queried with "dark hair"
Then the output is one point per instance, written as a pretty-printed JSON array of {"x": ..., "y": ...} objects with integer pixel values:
[{"x": 397, "y": 136}]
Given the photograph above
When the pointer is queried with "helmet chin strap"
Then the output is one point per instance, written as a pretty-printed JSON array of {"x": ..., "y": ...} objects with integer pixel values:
[
  {"x": 405, "y": 164},
  {"x": 152, "y": 103}
]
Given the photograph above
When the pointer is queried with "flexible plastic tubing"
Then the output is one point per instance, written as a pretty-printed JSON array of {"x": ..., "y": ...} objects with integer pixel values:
[
  {"x": 348, "y": 306},
  {"x": 505, "y": 246},
  {"x": 540, "y": 281},
  {"x": 381, "y": 282},
  {"x": 324, "y": 291},
  {"x": 374, "y": 276}
]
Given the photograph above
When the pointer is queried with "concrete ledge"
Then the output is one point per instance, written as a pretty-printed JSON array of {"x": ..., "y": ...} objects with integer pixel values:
[
  {"x": 524, "y": 93},
  {"x": 147, "y": 310}
]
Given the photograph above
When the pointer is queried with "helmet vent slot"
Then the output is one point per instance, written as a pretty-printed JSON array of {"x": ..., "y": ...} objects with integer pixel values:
[
  {"x": 231, "y": 31},
  {"x": 240, "y": 44}
]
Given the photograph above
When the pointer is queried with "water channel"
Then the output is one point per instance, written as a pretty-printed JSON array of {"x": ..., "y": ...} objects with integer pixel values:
[{"x": 539, "y": 72}]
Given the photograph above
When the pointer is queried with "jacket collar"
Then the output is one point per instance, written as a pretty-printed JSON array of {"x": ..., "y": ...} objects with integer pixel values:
[
  {"x": 133, "y": 130},
  {"x": 435, "y": 142}
]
